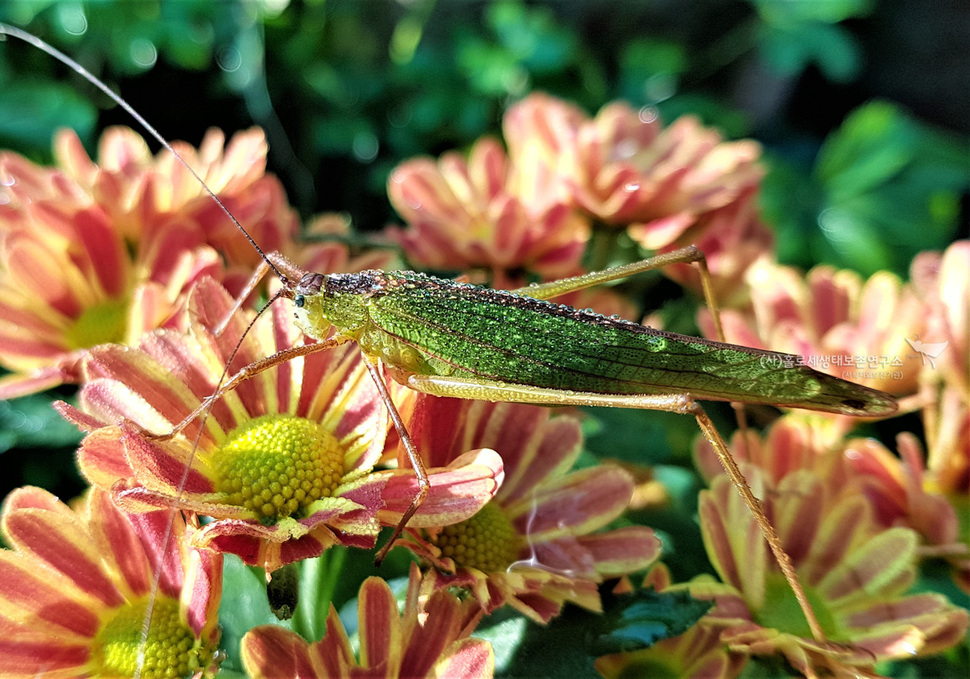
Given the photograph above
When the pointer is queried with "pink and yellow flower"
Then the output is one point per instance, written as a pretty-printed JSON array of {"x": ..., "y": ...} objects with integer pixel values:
[
  {"x": 283, "y": 464},
  {"x": 142, "y": 194},
  {"x": 833, "y": 321},
  {"x": 462, "y": 214},
  {"x": 429, "y": 638},
  {"x": 624, "y": 168},
  {"x": 732, "y": 238},
  {"x": 942, "y": 282},
  {"x": 855, "y": 574},
  {"x": 903, "y": 493},
  {"x": 898, "y": 489},
  {"x": 77, "y": 586},
  {"x": 96, "y": 253},
  {"x": 535, "y": 546}
]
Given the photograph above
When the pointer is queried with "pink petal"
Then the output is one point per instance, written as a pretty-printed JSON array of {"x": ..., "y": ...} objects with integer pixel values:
[
  {"x": 467, "y": 658},
  {"x": 577, "y": 503},
  {"x": 457, "y": 491},
  {"x": 164, "y": 463},
  {"x": 117, "y": 540},
  {"x": 872, "y": 568},
  {"x": 101, "y": 458},
  {"x": 380, "y": 628},
  {"x": 271, "y": 652},
  {"x": 622, "y": 551},
  {"x": 61, "y": 543},
  {"x": 333, "y": 653},
  {"x": 21, "y": 658},
  {"x": 29, "y": 594}
]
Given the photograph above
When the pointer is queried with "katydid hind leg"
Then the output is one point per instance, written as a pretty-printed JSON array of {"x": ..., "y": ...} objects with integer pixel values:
[
  {"x": 552, "y": 289},
  {"x": 682, "y": 403}
]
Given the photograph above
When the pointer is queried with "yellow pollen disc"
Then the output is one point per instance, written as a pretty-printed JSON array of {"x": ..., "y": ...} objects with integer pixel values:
[
  {"x": 277, "y": 465},
  {"x": 486, "y": 541},
  {"x": 170, "y": 650},
  {"x": 102, "y": 323}
]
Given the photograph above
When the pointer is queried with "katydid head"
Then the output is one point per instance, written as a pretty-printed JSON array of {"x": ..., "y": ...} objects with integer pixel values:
[{"x": 326, "y": 301}]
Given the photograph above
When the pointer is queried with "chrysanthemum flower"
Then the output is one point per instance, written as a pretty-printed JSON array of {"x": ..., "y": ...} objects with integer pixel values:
[
  {"x": 942, "y": 282},
  {"x": 284, "y": 463},
  {"x": 732, "y": 238},
  {"x": 855, "y": 574},
  {"x": 699, "y": 653},
  {"x": 429, "y": 638},
  {"x": 76, "y": 587},
  {"x": 833, "y": 321},
  {"x": 462, "y": 215},
  {"x": 96, "y": 253},
  {"x": 624, "y": 168},
  {"x": 898, "y": 489},
  {"x": 792, "y": 443},
  {"x": 903, "y": 494},
  {"x": 534, "y": 546},
  {"x": 143, "y": 194}
]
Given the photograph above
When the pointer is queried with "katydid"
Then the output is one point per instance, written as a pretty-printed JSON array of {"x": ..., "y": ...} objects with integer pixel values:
[{"x": 453, "y": 339}]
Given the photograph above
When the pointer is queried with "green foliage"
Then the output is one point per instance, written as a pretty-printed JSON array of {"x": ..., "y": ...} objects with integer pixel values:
[
  {"x": 794, "y": 35},
  {"x": 640, "y": 619},
  {"x": 883, "y": 187}
]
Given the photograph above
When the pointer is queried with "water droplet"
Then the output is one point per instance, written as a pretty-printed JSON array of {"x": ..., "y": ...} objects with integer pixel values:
[
  {"x": 72, "y": 18},
  {"x": 7, "y": 179},
  {"x": 143, "y": 53},
  {"x": 631, "y": 186},
  {"x": 365, "y": 146},
  {"x": 626, "y": 148},
  {"x": 648, "y": 114},
  {"x": 229, "y": 59}
]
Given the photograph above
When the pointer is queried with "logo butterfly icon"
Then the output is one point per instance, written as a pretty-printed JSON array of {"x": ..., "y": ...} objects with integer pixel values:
[{"x": 927, "y": 350}]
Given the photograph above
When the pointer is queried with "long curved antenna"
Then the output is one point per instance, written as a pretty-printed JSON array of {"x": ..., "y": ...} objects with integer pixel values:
[
  {"x": 87, "y": 75},
  {"x": 60, "y": 56}
]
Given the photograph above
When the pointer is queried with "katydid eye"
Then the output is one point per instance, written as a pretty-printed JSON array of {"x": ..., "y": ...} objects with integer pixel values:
[{"x": 298, "y": 301}]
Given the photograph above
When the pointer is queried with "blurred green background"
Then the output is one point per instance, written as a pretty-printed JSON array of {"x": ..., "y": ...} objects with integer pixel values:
[{"x": 862, "y": 106}]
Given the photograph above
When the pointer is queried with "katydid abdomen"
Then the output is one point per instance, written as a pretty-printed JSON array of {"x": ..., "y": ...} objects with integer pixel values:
[{"x": 431, "y": 326}]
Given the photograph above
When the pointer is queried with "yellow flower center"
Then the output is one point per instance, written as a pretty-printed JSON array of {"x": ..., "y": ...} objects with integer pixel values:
[
  {"x": 170, "y": 650},
  {"x": 782, "y": 612},
  {"x": 102, "y": 323},
  {"x": 277, "y": 465},
  {"x": 486, "y": 541}
]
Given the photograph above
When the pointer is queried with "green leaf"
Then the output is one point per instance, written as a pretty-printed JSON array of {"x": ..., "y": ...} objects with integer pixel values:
[
  {"x": 826, "y": 11},
  {"x": 640, "y": 619},
  {"x": 31, "y": 111},
  {"x": 32, "y": 422},
  {"x": 243, "y": 607},
  {"x": 790, "y": 48},
  {"x": 872, "y": 145}
]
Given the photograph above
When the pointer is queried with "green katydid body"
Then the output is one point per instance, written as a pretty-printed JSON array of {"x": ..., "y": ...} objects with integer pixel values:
[{"x": 419, "y": 324}]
